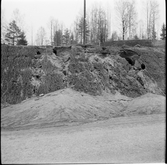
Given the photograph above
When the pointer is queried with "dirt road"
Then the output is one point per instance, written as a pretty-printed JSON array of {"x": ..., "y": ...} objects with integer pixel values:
[{"x": 134, "y": 139}]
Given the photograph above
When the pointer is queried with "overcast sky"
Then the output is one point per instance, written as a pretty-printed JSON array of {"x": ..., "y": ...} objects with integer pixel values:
[{"x": 38, "y": 12}]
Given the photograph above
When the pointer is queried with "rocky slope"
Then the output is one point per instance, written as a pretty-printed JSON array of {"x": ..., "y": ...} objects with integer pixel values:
[{"x": 31, "y": 71}]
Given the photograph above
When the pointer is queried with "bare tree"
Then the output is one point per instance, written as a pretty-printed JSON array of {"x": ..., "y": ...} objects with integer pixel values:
[
  {"x": 152, "y": 13},
  {"x": 147, "y": 11},
  {"x": 93, "y": 24},
  {"x": 132, "y": 17},
  {"x": 56, "y": 33},
  {"x": 81, "y": 30},
  {"x": 98, "y": 24},
  {"x": 78, "y": 30},
  {"x": 102, "y": 26},
  {"x": 58, "y": 29},
  {"x": 41, "y": 35},
  {"x": 58, "y": 37},
  {"x": 127, "y": 15},
  {"x": 114, "y": 36},
  {"x": 4, "y": 26},
  {"x": 122, "y": 12},
  {"x": 72, "y": 38},
  {"x": 51, "y": 25},
  {"x": 141, "y": 27},
  {"x": 108, "y": 17},
  {"x": 66, "y": 37},
  {"x": 75, "y": 29},
  {"x": 155, "y": 16}
]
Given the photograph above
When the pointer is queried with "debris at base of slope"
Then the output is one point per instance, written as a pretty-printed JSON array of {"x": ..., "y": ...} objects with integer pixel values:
[{"x": 68, "y": 106}]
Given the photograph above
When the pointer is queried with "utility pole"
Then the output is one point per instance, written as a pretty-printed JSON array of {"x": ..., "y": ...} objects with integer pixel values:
[{"x": 84, "y": 36}]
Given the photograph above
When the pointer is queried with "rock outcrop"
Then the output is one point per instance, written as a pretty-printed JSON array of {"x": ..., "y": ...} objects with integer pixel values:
[{"x": 31, "y": 71}]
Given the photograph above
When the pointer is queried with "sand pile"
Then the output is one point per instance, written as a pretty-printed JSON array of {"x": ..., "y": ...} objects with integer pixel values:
[{"x": 67, "y": 106}]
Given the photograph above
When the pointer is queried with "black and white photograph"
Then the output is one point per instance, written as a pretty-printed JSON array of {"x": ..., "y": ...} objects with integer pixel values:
[{"x": 83, "y": 81}]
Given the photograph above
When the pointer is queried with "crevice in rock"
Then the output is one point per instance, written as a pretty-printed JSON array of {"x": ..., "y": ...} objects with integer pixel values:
[
  {"x": 38, "y": 52},
  {"x": 140, "y": 81},
  {"x": 55, "y": 51},
  {"x": 130, "y": 61},
  {"x": 64, "y": 72},
  {"x": 37, "y": 76},
  {"x": 110, "y": 77},
  {"x": 143, "y": 66}
]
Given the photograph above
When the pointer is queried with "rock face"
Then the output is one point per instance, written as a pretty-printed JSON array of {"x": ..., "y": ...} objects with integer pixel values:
[{"x": 31, "y": 71}]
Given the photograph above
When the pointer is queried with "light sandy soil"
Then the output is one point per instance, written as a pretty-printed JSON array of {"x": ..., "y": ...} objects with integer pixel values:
[
  {"x": 137, "y": 139},
  {"x": 66, "y": 106}
]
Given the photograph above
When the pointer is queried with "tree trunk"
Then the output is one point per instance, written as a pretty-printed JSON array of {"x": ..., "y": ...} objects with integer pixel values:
[{"x": 123, "y": 32}]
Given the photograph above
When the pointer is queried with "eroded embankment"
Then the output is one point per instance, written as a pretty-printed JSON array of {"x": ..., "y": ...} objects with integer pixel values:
[{"x": 31, "y": 71}]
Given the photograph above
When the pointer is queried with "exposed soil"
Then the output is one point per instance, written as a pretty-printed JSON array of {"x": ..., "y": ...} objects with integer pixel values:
[
  {"x": 69, "y": 107},
  {"x": 71, "y": 126}
]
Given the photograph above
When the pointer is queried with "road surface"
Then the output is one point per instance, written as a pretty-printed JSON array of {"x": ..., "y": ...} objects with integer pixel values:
[{"x": 135, "y": 139}]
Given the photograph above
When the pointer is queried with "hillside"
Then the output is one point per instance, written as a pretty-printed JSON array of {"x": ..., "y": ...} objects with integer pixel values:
[
  {"x": 69, "y": 85},
  {"x": 93, "y": 105},
  {"x": 31, "y": 71}
]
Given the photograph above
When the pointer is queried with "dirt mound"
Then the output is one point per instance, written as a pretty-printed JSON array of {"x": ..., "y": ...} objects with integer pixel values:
[
  {"x": 68, "y": 106},
  {"x": 146, "y": 104}
]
